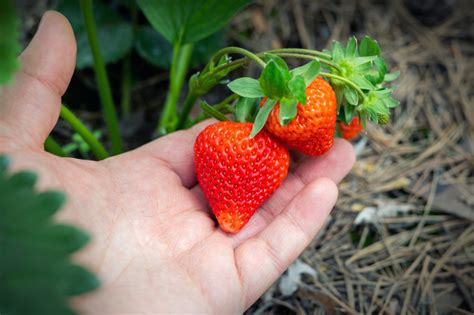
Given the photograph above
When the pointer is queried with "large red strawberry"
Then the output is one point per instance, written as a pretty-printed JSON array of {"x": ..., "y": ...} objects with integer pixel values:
[
  {"x": 350, "y": 131},
  {"x": 312, "y": 130},
  {"x": 236, "y": 173}
]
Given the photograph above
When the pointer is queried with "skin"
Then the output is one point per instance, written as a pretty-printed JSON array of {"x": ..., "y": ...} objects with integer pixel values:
[{"x": 155, "y": 246}]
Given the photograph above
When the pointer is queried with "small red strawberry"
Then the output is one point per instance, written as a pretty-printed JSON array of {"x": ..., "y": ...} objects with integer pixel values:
[
  {"x": 350, "y": 131},
  {"x": 312, "y": 130},
  {"x": 236, "y": 173}
]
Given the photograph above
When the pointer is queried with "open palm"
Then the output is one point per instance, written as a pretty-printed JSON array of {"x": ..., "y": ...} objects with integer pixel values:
[{"x": 155, "y": 246}]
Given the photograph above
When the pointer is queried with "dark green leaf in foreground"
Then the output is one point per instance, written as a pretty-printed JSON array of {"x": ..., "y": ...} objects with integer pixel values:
[
  {"x": 37, "y": 276},
  {"x": 114, "y": 33},
  {"x": 262, "y": 117},
  {"x": 246, "y": 87},
  {"x": 339, "y": 91},
  {"x": 188, "y": 21},
  {"x": 9, "y": 44}
]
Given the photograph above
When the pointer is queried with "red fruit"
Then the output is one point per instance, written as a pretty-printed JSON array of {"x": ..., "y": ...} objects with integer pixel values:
[
  {"x": 352, "y": 130},
  {"x": 312, "y": 130},
  {"x": 237, "y": 174}
]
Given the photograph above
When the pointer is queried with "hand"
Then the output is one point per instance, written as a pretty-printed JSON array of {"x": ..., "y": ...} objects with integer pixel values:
[{"x": 155, "y": 246}]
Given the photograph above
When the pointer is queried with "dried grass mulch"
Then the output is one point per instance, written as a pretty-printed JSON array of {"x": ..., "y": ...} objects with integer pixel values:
[{"x": 401, "y": 239}]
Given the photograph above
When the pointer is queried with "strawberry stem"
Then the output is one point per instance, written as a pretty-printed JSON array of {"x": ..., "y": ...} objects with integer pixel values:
[
  {"x": 308, "y": 56},
  {"x": 213, "y": 112},
  {"x": 232, "y": 65},
  {"x": 301, "y": 51},
  {"x": 241, "y": 51}
]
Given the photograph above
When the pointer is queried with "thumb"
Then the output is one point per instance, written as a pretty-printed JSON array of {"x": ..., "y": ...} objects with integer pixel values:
[{"x": 29, "y": 108}]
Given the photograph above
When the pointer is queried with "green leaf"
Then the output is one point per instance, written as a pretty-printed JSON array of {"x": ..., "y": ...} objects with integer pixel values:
[
  {"x": 115, "y": 34},
  {"x": 4, "y": 162},
  {"x": 244, "y": 108},
  {"x": 205, "y": 48},
  {"x": 274, "y": 80},
  {"x": 188, "y": 21},
  {"x": 212, "y": 112},
  {"x": 49, "y": 202},
  {"x": 279, "y": 61},
  {"x": 155, "y": 49},
  {"x": 348, "y": 113},
  {"x": 369, "y": 47},
  {"x": 358, "y": 61},
  {"x": 9, "y": 41},
  {"x": 36, "y": 252},
  {"x": 63, "y": 238},
  {"x": 337, "y": 51},
  {"x": 351, "y": 48},
  {"x": 112, "y": 47},
  {"x": 351, "y": 95},
  {"x": 384, "y": 92},
  {"x": 309, "y": 71},
  {"x": 297, "y": 87},
  {"x": 374, "y": 106},
  {"x": 288, "y": 110},
  {"x": 362, "y": 82},
  {"x": 246, "y": 87},
  {"x": 390, "y": 102},
  {"x": 339, "y": 91},
  {"x": 83, "y": 280},
  {"x": 262, "y": 117},
  {"x": 23, "y": 180},
  {"x": 389, "y": 77},
  {"x": 377, "y": 73}
]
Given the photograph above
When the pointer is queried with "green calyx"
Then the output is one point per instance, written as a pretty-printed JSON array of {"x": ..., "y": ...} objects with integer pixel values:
[
  {"x": 362, "y": 65},
  {"x": 376, "y": 106},
  {"x": 279, "y": 85}
]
